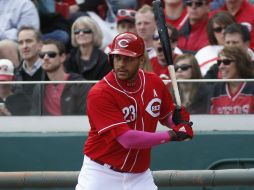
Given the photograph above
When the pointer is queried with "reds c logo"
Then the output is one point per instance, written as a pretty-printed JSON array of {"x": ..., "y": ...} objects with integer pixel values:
[
  {"x": 123, "y": 43},
  {"x": 153, "y": 107}
]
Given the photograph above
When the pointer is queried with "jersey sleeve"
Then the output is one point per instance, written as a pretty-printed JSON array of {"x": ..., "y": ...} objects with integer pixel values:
[{"x": 104, "y": 114}]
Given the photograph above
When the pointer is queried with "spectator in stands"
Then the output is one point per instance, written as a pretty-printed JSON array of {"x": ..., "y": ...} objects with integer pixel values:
[
  {"x": 15, "y": 14},
  {"x": 234, "y": 35},
  {"x": 86, "y": 58},
  {"x": 157, "y": 59},
  {"x": 234, "y": 97},
  {"x": 193, "y": 34},
  {"x": 58, "y": 99},
  {"x": 145, "y": 25},
  {"x": 126, "y": 20},
  {"x": 29, "y": 45},
  {"x": 125, "y": 23},
  {"x": 11, "y": 103},
  {"x": 195, "y": 96},
  {"x": 238, "y": 35},
  {"x": 242, "y": 10},
  {"x": 175, "y": 12},
  {"x": 207, "y": 56}
]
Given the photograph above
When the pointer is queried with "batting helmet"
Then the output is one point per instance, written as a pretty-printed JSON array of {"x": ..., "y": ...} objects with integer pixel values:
[{"x": 128, "y": 44}]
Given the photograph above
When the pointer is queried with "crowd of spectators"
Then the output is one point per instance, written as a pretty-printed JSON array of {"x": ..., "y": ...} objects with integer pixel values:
[{"x": 68, "y": 40}]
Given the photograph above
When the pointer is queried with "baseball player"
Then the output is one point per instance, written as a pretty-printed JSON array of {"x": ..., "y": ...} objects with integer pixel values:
[{"x": 123, "y": 110}]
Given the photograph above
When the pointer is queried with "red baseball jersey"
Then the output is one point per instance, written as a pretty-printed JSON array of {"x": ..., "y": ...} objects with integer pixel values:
[
  {"x": 177, "y": 23},
  {"x": 225, "y": 102},
  {"x": 112, "y": 111},
  {"x": 193, "y": 37}
]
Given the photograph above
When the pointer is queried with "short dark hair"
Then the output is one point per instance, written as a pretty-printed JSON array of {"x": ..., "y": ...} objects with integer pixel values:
[
  {"x": 239, "y": 29},
  {"x": 37, "y": 33},
  {"x": 60, "y": 46}
]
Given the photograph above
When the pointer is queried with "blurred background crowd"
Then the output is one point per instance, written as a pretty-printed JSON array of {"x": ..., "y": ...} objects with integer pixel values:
[{"x": 68, "y": 40}]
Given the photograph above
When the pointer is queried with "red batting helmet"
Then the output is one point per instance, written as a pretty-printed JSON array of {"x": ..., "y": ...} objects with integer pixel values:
[{"x": 128, "y": 44}]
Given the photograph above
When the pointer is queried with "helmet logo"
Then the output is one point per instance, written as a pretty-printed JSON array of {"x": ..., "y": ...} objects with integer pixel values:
[{"x": 123, "y": 43}]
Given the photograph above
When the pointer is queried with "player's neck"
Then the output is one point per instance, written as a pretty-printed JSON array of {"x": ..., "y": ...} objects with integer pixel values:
[{"x": 132, "y": 86}]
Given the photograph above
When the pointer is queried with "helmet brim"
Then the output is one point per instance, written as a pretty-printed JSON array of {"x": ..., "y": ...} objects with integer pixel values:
[{"x": 124, "y": 52}]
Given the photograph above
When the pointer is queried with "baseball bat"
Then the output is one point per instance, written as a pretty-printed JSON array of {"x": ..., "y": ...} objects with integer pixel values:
[{"x": 166, "y": 46}]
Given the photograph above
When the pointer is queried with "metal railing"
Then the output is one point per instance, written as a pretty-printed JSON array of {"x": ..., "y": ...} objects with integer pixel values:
[{"x": 166, "y": 178}]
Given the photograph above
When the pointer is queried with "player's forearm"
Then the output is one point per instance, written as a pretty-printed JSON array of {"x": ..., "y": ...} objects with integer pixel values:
[{"x": 142, "y": 140}]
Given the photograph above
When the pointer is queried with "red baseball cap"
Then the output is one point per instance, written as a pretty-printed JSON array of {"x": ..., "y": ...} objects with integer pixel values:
[
  {"x": 126, "y": 14},
  {"x": 6, "y": 70}
]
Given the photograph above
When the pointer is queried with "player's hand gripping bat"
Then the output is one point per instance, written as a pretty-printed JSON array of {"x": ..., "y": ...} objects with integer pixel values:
[{"x": 166, "y": 46}]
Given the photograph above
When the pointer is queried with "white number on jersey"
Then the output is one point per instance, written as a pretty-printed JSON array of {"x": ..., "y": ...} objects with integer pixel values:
[{"x": 129, "y": 113}]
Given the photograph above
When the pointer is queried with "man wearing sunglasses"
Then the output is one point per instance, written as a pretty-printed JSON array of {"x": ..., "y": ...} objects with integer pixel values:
[
  {"x": 58, "y": 98},
  {"x": 193, "y": 35},
  {"x": 175, "y": 13}
]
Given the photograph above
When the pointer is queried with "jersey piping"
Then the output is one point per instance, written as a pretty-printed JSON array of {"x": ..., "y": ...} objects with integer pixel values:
[{"x": 136, "y": 106}]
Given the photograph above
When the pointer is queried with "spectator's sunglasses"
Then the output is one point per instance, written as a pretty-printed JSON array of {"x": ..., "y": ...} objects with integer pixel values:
[
  {"x": 183, "y": 67},
  {"x": 196, "y": 3},
  {"x": 218, "y": 29},
  {"x": 84, "y": 31},
  {"x": 225, "y": 61},
  {"x": 126, "y": 12},
  {"x": 50, "y": 54}
]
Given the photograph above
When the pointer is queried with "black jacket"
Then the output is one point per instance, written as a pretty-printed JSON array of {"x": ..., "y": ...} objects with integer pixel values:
[
  {"x": 18, "y": 104},
  {"x": 21, "y": 75},
  {"x": 94, "y": 69},
  {"x": 73, "y": 99}
]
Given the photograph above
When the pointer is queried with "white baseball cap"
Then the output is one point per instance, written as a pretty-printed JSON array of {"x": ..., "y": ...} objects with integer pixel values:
[{"x": 6, "y": 70}]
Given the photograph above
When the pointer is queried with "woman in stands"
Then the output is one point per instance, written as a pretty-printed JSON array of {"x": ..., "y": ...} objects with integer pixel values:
[
  {"x": 207, "y": 56},
  {"x": 86, "y": 58},
  {"x": 195, "y": 96},
  {"x": 234, "y": 97}
]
